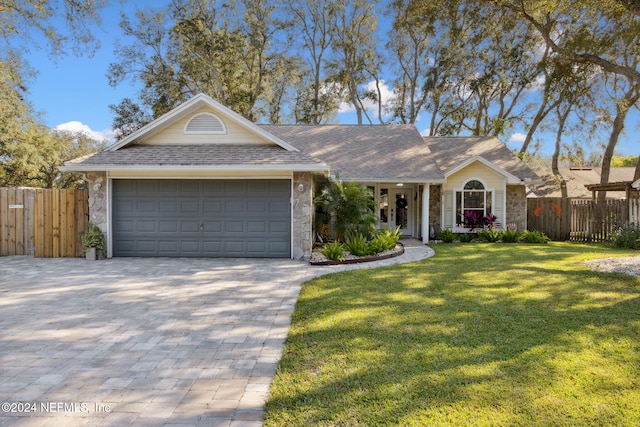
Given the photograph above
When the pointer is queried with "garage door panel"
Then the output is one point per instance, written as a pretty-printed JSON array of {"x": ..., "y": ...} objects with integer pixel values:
[
  {"x": 211, "y": 218},
  {"x": 234, "y": 226},
  {"x": 189, "y": 186},
  {"x": 167, "y": 226},
  {"x": 191, "y": 226},
  {"x": 189, "y": 206},
  {"x": 166, "y": 186},
  {"x": 167, "y": 207},
  {"x": 279, "y": 227},
  {"x": 279, "y": 207},
  {"x": 257, "y": 226},
  {"x": 146, "y": 186},
  {"x": 147, "y": 226},
  {"x": 234, "y": 206},
  {"x": 257, "y": 207},
  {"x": 211, "y": 207},
  {"x": 167, "y": 246},
  {"x": 235, "y": 188}
]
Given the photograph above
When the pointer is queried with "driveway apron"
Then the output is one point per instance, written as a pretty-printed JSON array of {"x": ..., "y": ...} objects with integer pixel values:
[{"x": 146, "y": 341}]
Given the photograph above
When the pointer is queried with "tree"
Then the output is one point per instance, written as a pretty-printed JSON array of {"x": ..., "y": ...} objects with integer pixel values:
[
  {"x": 317, "y": 99},
  {"x": 60, "y": 22},
  {"x": 354, "y": 56},
  {"x": 605, "y": 29},
  {"x": 629, "y": 99},
  {"x": 227, "y": 50},
  {"x": 34, "y": 162},
  {"x": 26, "y": 145}
]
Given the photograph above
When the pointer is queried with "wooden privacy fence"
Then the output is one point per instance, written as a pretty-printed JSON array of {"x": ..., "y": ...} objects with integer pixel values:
[
  {"x": 45, "y": 223},
  {"x": 581, "y": 220}
]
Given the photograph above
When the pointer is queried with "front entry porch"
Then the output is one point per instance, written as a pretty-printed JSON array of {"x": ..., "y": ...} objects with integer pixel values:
[{"x": 405, "y": 205}]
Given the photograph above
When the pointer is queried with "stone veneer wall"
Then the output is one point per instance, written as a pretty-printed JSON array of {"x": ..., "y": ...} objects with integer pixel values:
[
  {"x": 517, "y": 206},
  {"x": 435, "y": 205},
  {"x": 302, "y": 215},
  {"x": 97, "y": 185}
]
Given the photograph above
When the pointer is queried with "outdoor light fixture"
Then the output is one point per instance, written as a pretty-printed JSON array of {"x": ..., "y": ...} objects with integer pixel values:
[{"x": 300, "y": 188}]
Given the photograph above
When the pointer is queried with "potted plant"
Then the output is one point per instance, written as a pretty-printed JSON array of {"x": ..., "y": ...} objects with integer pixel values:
[{"x": 93, "y": 242}]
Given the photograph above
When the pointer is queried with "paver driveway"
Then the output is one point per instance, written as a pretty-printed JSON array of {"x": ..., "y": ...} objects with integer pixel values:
[{"x": 145, "y": 341}]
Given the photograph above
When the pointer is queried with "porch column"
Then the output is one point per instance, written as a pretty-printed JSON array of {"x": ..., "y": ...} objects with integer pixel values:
[{"x": 425, "y": 213}]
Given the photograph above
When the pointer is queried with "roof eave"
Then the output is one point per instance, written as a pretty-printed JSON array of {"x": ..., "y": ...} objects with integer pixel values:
[
  {"x": 292, "y": 167},
  {"x": 403, "y": 180}
]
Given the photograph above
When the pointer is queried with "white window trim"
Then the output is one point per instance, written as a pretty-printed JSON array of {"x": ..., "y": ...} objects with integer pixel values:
[
  {"x": 456, "y": 228},
  {"x": 212, "y": 132}
]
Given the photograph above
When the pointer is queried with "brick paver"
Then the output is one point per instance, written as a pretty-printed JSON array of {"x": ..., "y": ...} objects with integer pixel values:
[{"x": 155, "y": 341}]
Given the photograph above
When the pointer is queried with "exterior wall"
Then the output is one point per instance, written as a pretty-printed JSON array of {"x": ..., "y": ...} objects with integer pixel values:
[
  {"x": 98, "y": 200},
  {"x": 476, "y": 170},
  {"x": 302, "y": 215},
  {"x": 493, "y": 182},
  {"x": 174, "y": 133},
  {"x": 435, "y": 205},
  {"x": 517, "y": 206}
]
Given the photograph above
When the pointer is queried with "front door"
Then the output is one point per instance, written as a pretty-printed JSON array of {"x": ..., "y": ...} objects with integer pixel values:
[{"x": 396, "y": 209}]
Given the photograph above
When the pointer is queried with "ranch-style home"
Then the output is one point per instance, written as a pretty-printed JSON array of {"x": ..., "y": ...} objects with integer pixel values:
[{"x": 202, "y": 181}]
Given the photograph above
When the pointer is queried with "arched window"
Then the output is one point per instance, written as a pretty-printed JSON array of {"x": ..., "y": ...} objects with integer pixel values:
[
  {"x": 205, "y": 123},
  {"x": 473, "y": 203}
]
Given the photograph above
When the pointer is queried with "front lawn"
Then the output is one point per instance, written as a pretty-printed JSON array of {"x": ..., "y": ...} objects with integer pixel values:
[{"x": 481, "y": 334}]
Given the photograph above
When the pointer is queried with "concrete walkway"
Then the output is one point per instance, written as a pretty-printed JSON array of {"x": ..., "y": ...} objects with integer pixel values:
[{"x": 147, "y": 341}]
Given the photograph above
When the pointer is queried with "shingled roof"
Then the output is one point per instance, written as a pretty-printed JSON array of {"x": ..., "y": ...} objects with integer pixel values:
[
  {"x": 373, "y": 153},
  {"x": 214, "y": 155},
  {"x": 578, "y": 178},
  {"x": 450, "y": 152}
]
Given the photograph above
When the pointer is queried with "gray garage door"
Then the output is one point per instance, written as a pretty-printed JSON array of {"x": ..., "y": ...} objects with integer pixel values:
[{"x": 202, "y": 218}]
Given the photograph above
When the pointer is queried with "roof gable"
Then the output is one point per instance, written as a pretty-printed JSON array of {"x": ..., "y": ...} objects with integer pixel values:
[
  {"x": 455, "y": 153},
  {"x": 217, "y": 120},
  {"x": 460, "y": 166}
]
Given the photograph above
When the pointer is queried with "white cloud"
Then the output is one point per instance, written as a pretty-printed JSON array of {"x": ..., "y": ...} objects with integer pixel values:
[
  {"x": 425, "y": 132},
  {"x": 75, "y": 126},
  {"x": 386, "y": 93},
  {"x": 518, "y": 137}
]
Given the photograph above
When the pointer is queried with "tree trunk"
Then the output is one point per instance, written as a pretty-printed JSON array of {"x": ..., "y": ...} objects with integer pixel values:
[
  {"x": 562, "y": 120},
  {"x": 622, "y": 108}
]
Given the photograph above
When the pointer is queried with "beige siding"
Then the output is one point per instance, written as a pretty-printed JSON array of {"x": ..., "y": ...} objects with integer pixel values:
[
  {"x": 174, "y": 134},
  {"x": 476, "y": 170}
]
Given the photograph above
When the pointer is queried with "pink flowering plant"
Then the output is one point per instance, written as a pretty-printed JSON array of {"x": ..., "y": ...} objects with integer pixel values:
[{"x": 473, "y": 220}]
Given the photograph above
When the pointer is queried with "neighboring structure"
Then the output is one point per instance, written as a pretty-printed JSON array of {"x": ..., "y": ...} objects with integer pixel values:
[
  {"x": 584, "y": 183},
  {"x": 203, "y": 181}
]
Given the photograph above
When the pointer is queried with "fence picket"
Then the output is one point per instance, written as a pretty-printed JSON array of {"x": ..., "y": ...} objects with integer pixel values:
[
  {"x": 581, "y": 220},
  {"x": 42, "y": 222}
]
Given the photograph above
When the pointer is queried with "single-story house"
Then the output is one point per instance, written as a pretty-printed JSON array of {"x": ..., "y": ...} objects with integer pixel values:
[
  {"x": 584, "y": 183},
  {"x": 203, "y": 181}
]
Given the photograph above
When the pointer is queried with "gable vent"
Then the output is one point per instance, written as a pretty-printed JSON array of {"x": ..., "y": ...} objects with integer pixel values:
[{"x": 205, "y": 123}]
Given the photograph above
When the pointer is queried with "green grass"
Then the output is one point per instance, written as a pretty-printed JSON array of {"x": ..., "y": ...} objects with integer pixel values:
[{"x": 483, "y": 335}]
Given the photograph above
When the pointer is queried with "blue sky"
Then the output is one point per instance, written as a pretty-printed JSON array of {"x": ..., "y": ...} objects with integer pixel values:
[{"x": 73, "y": 92}]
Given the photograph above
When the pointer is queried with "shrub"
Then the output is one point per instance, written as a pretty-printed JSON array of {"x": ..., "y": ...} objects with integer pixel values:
[
  {"x": 94, "y": 238},
  {"x": 465, "y": 237},
  {"x": 510, "y": 236},
  {"x": 384, "y": 240},
  {"x": 628, "y": 237},
  {"x": 348, "y": 206},
  {"x": 490, "y": 236},
  {"x": 447, "y": 235},
  {"x": 333, "y": 251},
  {"x": 534, "y": 236},
  {"x": 357, "y": 244}
]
